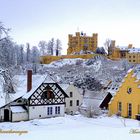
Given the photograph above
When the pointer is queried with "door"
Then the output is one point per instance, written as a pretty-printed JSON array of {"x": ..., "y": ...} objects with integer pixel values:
[{"x": 6, "y": 115}]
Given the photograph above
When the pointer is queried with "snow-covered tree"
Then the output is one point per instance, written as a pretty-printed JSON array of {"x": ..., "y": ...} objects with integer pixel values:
[
  {"x": 50, "y": 47},
  {"x": 58, "y": 47},
  {"x": 3, "y": 32},
  {"x": 35, "y": 58},
  {"x": 100, "y": 50},
  {"x": 108, "y": 46},
  {"x": 28, "y": 53},
  {"x": 42, "y": 46}
]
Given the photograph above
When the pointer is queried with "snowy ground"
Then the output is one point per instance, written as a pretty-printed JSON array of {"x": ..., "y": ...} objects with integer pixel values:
[{"x": 72, "y": 128}]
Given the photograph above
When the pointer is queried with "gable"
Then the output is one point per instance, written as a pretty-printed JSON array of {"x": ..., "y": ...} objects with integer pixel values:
[
  {"x": 73, "y": 89},
  {"x": 129, "y": 91},
  {"x": 48, "y": 94}
]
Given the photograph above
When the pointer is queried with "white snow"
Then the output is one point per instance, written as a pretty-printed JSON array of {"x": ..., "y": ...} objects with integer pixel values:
[
  {"x": 73, "y": 128},
  {"x": 129, "y": 70},
  {"x": 63, "y": 62},
  {"x": 96, "y": 66}
]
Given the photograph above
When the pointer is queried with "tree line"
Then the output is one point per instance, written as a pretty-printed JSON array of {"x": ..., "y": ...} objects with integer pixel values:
[{"x": 12, "y": 53}]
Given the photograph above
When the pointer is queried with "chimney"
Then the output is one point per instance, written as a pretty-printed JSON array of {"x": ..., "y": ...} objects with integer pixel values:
[{"x": 29, "y": 80}]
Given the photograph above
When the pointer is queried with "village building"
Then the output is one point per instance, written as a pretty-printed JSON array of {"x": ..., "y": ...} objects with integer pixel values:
[
  {"x": 46, "y": 99},
  {"x": 75, "y": 98},
  {"x": 126, "y": 101},
  {"x": 110, "y": 90}
]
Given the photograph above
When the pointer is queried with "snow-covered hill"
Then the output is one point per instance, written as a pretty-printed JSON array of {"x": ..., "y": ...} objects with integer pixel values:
[{"x": 83, "y": 73}]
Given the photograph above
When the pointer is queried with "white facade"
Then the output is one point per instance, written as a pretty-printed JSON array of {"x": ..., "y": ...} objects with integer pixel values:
[
  {"x": 74, "y": 101},
  {"x": 46, "y": 111},
  {"x": 20, "y": 116}
]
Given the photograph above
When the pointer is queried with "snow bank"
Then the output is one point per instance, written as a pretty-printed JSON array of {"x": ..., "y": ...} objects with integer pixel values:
[{"x": 73, "y": 127}]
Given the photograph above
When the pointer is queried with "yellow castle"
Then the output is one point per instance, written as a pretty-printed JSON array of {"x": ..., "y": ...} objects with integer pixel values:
[
  {"x": 82, "y": 43},
  {"x": 126, "y": 101},
  {"x": 79, "y": 46}
]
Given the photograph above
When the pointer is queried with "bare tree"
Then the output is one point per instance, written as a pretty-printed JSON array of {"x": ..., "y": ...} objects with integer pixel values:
[
  {"x": 3, "y": 31},
  {"x": 28, "y": 53},
  {"x": 42, "y": 46},
  {"x": 108, "y": 46},
  {"x": 58, "y": 47}
]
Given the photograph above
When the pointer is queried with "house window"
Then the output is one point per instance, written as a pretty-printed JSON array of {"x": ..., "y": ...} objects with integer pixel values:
[
  {"x": 129, "y": 60},
  {"x": 77, "y": 102},
  {"x": 129, "y": 56},
  {"x": 70, "y": 102},
  {"x": 133, "y": 56},
  {"x": 119, "y": 107},
  {"x": 133, "y": 60},
  {"x": 71, "y": 94},
  {"x": 129, "y": 110},
  {"x": 57, "y": 110},
  {"x": 19, "y": 101},
  {"x": 47, "y": 93},
  {"x": 49, "y": 111}
]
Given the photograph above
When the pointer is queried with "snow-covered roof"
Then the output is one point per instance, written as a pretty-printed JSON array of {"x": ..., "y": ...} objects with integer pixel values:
[
  {"x": 17, "y": 109},
  {"x": 64, "y": 86},
  {"x": 37, "y": 83},
  {"x": 134, "y": 50},
  {"x": 123, "y": 48}
]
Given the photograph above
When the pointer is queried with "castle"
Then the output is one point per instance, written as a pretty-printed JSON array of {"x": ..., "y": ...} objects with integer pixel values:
[
  {"x": 129, "y": 52},
  {"x": 79, "y": 46},
  {"x": 81, "y": 43},
  {"x": 82, "y": 46}
]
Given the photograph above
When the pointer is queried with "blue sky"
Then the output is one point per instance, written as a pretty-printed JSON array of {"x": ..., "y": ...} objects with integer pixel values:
[{"x": 35, "y": 20}]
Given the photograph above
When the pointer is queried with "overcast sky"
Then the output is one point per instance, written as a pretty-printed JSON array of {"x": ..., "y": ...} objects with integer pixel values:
[{"x": 35, "y": 20}]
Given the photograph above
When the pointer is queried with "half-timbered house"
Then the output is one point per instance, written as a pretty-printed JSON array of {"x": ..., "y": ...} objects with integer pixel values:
[{"x": 44, "y": 101}]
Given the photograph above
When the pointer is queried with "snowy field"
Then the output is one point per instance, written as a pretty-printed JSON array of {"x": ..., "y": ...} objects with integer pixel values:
[{"x": 72, "y": 128}]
